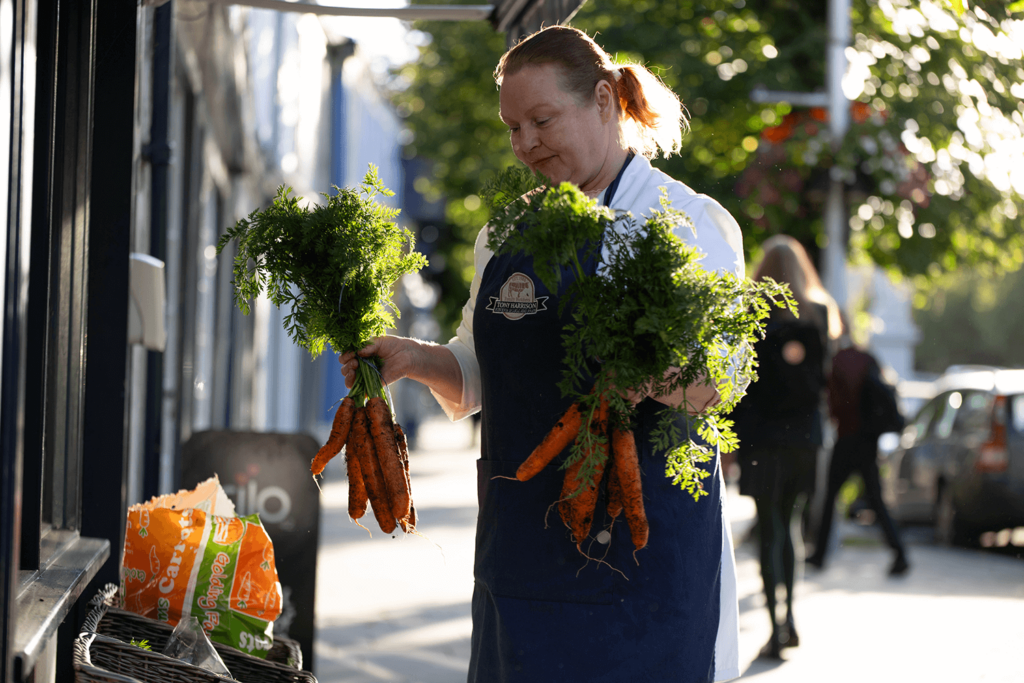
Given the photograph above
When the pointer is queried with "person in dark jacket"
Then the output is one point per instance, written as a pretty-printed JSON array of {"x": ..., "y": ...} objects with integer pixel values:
[
  {"x": 856, "y": 450},
  {"x": 779, "y": 422}
]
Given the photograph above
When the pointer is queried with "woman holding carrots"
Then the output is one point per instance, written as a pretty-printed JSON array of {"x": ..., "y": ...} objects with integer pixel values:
[{"x": 541, "y": 611}]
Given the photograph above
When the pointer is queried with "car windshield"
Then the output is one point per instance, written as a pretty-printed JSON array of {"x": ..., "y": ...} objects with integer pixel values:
[
  {"x": 948, "y": 408},
  {"x": 975, "y": 414},
  {"x": 1017, "y": 413}
]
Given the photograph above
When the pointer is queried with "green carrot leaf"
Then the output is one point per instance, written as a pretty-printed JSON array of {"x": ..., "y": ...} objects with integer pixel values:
[{"x": 331, "y": 266}]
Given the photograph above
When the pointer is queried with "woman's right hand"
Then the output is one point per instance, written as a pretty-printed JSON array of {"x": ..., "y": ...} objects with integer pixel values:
[
  {"x": 425, "y": 362},
  {"x": 396, "y": 353}
]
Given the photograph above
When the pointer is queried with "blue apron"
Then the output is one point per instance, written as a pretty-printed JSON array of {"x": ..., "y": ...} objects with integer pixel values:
[{"x": 542, "y": 611}]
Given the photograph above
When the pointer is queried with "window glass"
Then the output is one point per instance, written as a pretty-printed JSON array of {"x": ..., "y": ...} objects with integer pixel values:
[
  {"x": 1017, "y": 413},
  {"x": 975, "y": 414},
  {"x": 943, "y": 425},
  {"x": 919, "y": 426}
]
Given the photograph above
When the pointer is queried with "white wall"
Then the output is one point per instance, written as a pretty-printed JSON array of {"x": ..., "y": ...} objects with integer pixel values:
[
  {"x": 290, "y": 83},
  {"x": 893, "y": 335}
]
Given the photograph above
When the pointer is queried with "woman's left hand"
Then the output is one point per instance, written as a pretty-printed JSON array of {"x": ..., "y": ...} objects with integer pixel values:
[{"x": 699, "y": 396}]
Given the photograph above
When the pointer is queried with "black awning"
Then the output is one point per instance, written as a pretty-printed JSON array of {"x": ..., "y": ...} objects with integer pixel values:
[{"x": 518, "y": 18}]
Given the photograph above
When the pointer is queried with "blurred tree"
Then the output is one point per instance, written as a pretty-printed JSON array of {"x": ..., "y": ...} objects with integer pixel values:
[
  {"x": 973, "y": 319},
  {"x": 934, "y": 159},
  {"x": 450, "y": 104}
]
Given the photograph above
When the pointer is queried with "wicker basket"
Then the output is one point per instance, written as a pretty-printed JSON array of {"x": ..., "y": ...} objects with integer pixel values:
[
  {"x": 282, "y": 665},
  {"x": 100, "y": 659}
]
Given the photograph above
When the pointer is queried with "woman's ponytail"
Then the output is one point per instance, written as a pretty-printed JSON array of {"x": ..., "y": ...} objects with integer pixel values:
[{"x": 652, "y": 114}]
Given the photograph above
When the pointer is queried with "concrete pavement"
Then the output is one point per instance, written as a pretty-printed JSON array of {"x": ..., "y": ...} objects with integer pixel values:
[{"x": 396, "y": 610}]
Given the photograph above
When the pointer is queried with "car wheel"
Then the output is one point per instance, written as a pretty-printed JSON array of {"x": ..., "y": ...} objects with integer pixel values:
[{"x": 949, "y": 528}]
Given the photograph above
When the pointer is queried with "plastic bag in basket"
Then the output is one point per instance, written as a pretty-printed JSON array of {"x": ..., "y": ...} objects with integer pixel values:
[{"x": 187, "y": 554}]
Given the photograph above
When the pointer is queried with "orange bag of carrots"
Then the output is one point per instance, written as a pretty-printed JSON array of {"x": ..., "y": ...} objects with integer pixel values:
[{"x": 187, "y": 554}]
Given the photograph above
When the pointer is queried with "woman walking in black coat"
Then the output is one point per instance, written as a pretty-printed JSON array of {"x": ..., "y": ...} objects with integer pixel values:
[{"x": 780, "y": 424}]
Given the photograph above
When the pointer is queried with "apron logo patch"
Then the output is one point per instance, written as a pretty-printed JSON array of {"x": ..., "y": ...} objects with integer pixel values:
[{"x": 517, "y": 298}]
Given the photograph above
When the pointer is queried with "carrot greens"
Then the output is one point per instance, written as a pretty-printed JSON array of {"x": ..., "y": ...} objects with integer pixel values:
[
  {"x": 650, "y": 318},
  {"x": 332, "y": 265}
]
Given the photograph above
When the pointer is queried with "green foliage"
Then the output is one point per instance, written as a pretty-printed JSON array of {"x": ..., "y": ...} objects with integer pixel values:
[
  {"x": 949, "y": 86},
  {"x": 919, "y": 69},
  {"x": 951, "y": 90},
  {"x": 144, "y": 644},
  {"x": 651, "y": 314},
  {"x": 974, "y": 319},
  {"x": 558, "y": 224},
  {"x": 333, "y": 265}
]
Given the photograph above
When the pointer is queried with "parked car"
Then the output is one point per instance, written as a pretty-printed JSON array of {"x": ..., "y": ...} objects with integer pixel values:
[{"x": 960, "y": 461}]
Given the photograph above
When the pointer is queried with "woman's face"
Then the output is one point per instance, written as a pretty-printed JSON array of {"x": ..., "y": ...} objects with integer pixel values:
[{"x": 554, "y": 135}]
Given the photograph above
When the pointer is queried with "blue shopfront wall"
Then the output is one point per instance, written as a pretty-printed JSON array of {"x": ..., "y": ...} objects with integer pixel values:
[{"x": 66, "y": 118}]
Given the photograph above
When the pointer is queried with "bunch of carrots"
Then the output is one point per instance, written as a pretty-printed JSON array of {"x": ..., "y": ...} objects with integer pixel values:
[
  {"x": 377, "y": 457},
  {"x": 653, "y": 316},
  {"x": 334, "y": 264},
  {"x": 579, "y": 494}
]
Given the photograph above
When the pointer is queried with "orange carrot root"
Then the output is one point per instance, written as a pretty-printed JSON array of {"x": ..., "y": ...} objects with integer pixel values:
[
  {"x": 376, "y": 490},
  {"x": 560, "y": 436},
  {"x": 382, "y": 431},
  {"x": 578, "y": 510},
  {"x": 357, "y": 498},
  {"x": 339, "y": 436},
  {"x": 614, "y": 488},
  {"x": 403, "y": 445},
  {"x": 570, "y": 486},
  {"x": 627, "y": 469},
  {"x": 408, "y": 524}
]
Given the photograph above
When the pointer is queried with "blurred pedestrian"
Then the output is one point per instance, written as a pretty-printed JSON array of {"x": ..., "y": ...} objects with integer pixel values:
[
  {"x": 854, "y": 373},
  {"x": 780, "y": 421}
]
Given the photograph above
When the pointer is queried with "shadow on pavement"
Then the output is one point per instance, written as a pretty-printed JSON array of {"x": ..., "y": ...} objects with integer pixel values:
[{"x": 760, "y": 666}]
